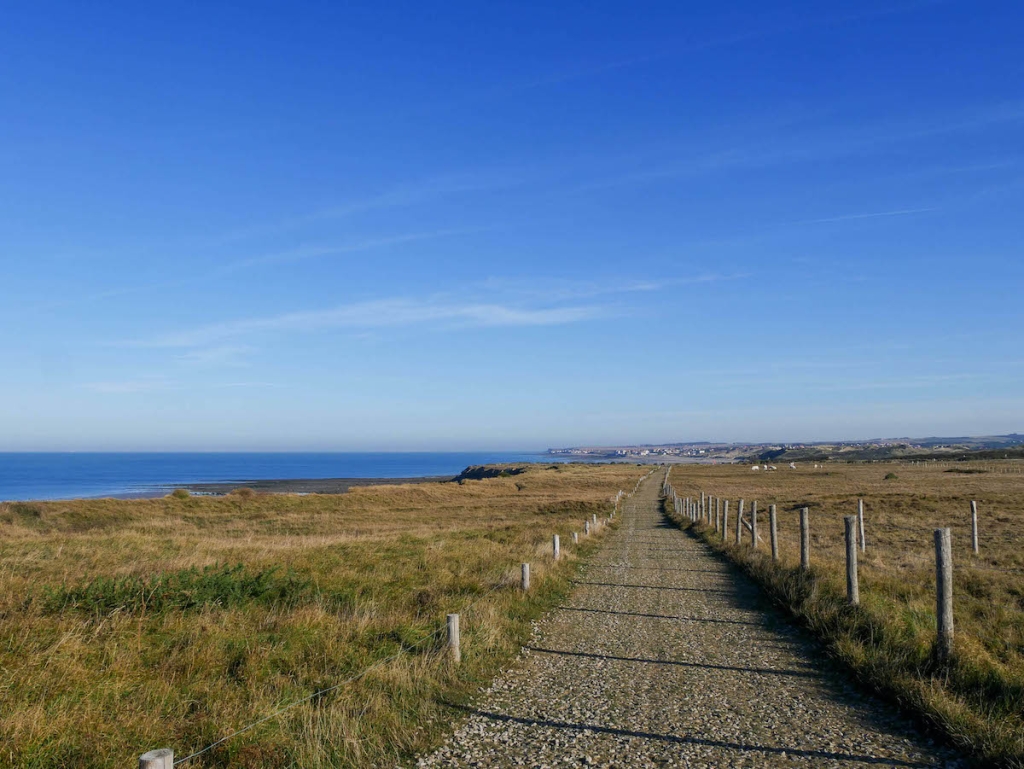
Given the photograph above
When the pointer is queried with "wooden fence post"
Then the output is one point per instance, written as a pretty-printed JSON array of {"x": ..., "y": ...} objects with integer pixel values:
[
  {"x": 594, "y": 519},
  {"x": 753, "y": 525},
  {"x": 974, "y": 526},
  {"x": 454, "y": 645},
  {"x": 157, "y": 759},
  {"x": 526, "y": 577},
  {"x": 860, "y": 522},
  {"x": 586, "y": 528},
  {"x": 944, "y": 591},
  {"x": 725, "y": 520},
  {"x": 575, "y": 537},
  {"x": 852, "y": 587},
  {"x": 805, "y": 539},
  {"x": 773, "y": 529},
  {"x": 739, "y": 523},
  {"x": 556, "y": 549}
]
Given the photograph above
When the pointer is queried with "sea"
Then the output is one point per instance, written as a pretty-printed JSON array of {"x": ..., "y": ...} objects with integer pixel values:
[{"x": 73, "y": 475}]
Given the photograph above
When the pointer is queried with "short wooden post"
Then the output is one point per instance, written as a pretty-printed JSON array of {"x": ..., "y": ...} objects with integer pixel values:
[
  {"x": 773, "y": 530},
  {"x": 753, "y": 525},
  {"x": 556, "y": 549},
  {"x": 739, "y": 523},
  {"x": 586, "y": 528},
  {"x": 805, "y": 539},
  {"x": 852, "y": 587},
  {"x": 703, "y": 506},
  {"x": 860, "y": 523},
  {"x": 725, "y": 520},
  {"x": 157, "y": 759},
  {"x": 974, "y": 526},
  {"x": 594, "y": 519},
  {"x": 526, "y": 577},
  {"x": 575, "y": 537},
  {"x": 944, "y": 591},
  {"x": 453, "y": 638}
]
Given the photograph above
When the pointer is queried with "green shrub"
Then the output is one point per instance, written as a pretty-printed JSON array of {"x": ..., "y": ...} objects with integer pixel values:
[{"x": 179, "y": 590}]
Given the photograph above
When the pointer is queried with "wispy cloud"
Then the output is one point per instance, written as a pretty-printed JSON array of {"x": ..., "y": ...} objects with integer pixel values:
[
  {"x": 127, "y": 386},
  {"x": 221, "y": 355},
  {"x": 679, "y": 48},
  {"x": 401, "y": 195},
  {"x": 385, "y": 313},
  {"x": 298, "y": 254},
  {"x": 552, "y": 289},
  {"x": 315, "y": 252},
  {"x": 872, "y": 215}
]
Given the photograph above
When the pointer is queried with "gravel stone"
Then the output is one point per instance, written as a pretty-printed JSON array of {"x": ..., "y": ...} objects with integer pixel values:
[{"x": 667, "y": 656}]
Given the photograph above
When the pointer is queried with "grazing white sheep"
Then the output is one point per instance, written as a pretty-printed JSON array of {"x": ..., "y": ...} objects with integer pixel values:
[
  {"x": 770, "y": 467},
  {"x": 755, "y": 467},
  {"x": 792, "y": 465}
]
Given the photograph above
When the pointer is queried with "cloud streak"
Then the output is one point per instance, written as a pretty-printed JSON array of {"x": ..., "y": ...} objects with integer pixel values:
[
  {"x": 384, "y": 313},
  {"x": 872, "y": 215}
]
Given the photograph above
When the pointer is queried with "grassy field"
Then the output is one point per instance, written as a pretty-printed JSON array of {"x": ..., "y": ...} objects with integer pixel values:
[
  {"x": 977, "y": 697},
  {"x": 132, "y": 625}
]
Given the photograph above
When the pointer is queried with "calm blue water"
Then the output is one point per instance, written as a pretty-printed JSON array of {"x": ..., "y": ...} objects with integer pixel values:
[{"x": 71, "y": 475}]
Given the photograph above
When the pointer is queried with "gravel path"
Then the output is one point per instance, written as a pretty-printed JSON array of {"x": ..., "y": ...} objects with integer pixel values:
[{"x": 667, "y": 656}]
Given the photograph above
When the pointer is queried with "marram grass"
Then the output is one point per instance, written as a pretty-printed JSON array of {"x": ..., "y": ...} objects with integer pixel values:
[{"x": 131, "y": 625}]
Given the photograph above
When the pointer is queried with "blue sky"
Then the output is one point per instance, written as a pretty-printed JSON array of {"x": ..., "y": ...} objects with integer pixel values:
[{"x": 508, "y": 225}]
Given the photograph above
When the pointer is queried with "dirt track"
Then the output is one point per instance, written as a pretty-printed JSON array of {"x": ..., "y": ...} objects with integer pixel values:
[{"x": 666, "y": 656}]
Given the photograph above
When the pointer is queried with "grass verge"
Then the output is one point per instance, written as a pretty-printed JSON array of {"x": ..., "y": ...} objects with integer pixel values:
[
  {"x": 975, "y": 697},
  {"x": 127, "y": 625}
]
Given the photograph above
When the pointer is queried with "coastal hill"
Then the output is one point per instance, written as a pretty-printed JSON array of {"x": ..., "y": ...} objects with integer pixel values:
[{"x": 1009, "y": 446}]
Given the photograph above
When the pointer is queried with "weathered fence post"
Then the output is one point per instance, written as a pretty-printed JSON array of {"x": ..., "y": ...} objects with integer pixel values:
[
  {"x": 725, "y": 520},
  {"x": 739, "y": 523},
  {"x": 944, "y": 590},
  {"x": 453, "y": 638},
  {"x": 157, "y": 759},
  {"x": 805, "y": 539},
  {"x": 594, "y": 519},
  {"x": 852, "y": 588},
  {"x": 753, "y": 525},
  {"x": 703, "y": 508},
  {"x": 974, "y": 526},
  {"x": 860, "y": 522},
  {"x": 526, "y": 577},
  {"x": 575, "y": 537},
  {"x": 556, "y": 549},
  {"x": 586, "y": 528},
  {"x": 773, "y": 529}
]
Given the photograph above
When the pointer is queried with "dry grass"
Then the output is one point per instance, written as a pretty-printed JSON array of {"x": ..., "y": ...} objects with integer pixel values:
[
  {"x": 977, "y": 697},
  {"x": 129, "y": 625}
]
